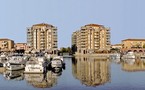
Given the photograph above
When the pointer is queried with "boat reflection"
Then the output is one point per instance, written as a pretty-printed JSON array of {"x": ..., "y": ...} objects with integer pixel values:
[
  {"x": 56, "y": 71},
  {"x": 117, "y": 61},
  {"x": 130, "y": 61},
  {"x": 14, "y": 75},
  {"x": 132, "y": 65},
  {"x": 91, "y": 71},
  {"x": 45, "y": 80}
]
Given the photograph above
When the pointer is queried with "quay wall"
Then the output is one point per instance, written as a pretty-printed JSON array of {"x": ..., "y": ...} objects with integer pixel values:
[{"x": 99, "y": 56}]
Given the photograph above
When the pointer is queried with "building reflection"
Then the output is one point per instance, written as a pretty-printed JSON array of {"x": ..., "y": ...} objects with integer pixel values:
[
  {"x": 2, "y": 70},
  {"x": 46, "y": 80},
  {"x": 132, "y": 65},
  {"x": 91, "y": 71},
  {"x": 14, "y": 75}
]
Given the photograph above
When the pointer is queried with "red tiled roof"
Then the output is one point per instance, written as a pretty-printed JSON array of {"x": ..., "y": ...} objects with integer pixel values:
[
  {"x": 20, "y": 43},
  {"x": 94, "y": 25},
  {"x": 4, "y": 39},
  {"x": 117, "y": 45},
  {"x": 42, "y": 24},
  {"x": 134, "y": 40}
]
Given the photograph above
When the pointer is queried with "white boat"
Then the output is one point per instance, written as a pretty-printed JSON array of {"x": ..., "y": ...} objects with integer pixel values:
[
  {"x": 129, "y": 55},
  {"x": 115, "y": 56},
  {"x": 14, "y": 66},
  {"x": 35, "y": 65},
  {"x": 3, "y": 59},
  {"x": 57, "y": 62},
  {"x": 15, "y": 62}
]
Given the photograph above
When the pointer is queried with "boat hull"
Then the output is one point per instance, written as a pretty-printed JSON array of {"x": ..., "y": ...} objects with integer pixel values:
[
  {"x": 14, "y": 66},
  {"x": 37, "y": 68},
  {"x": 56, "y": 64}
]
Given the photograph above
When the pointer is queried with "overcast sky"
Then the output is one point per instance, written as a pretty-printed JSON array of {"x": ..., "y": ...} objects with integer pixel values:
[{"x": 126, "y": 18}]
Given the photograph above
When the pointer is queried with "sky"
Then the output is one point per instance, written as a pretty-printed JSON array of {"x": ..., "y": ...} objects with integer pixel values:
[{"x": 126, "y": 18}]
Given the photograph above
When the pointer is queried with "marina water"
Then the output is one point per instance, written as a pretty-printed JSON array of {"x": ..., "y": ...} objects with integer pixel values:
[{"x": 80, "y": 73}]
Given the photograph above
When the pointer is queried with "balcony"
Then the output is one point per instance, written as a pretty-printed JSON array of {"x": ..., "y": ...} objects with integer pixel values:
[
  {"x": 42, "y": 38},
  {"x": 42, "y": 46},
  {"x": 108, "y": 33},
  {"x": 42, "y": 42},
  {"x": 96, "y": 45}
]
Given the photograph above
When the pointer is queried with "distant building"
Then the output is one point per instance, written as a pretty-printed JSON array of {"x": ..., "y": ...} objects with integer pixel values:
[
  {"x": 42, "y": 37},
  {"x": 74, "y": 38},
  {"x": 117, "y": 46},
  {"x": 6, "y": 44},
  {"x": 20, "y": 46},
  {"x": 92, "y": 38},
  {"x": 136, "y": 45}
]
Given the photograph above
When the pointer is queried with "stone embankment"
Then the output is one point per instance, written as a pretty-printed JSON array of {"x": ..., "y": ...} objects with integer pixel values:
[{"x": 99, "y": 56}]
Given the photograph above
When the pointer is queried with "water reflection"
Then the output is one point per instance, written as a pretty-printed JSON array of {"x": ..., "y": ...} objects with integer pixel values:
[
  {"x": 2, "y": 70},
  {"x": 14, "y": 75},
  {"x": 43, "y": 80},
  {"x": 117, "y": 61},
  {"x": 91, "y": 71},
  {"x": 132, "y": 65},
  {"x": 37, "y": 80},
  {"x": 46, "y": 80}
]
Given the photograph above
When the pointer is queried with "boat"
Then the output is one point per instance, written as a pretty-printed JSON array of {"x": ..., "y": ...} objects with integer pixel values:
[
  {"x": 57, "y": 62},
  {"x": 3, "y": 59},
  {"x": 115, "y": 56},
  {"x": 15, "y": 62},
  {"x": 129, "y": 55},
  {"x": 36, "y": 65}
]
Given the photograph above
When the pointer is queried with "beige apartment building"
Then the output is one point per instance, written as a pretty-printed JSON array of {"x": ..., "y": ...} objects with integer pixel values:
[
  {"x": 135, "y": 45},
  {"x": 92, "y": 38},
  {"x": 20, "y": 46},
  {"x": 6, "y": 44},
  {"x": 42, "y": 37},
  {"x": 116, "y": 46}
]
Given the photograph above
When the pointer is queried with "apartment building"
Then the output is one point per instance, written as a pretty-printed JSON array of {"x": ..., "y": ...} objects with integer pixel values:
[
  {"x": 20, "y": 46},
  {"x": 92, "y": 38},
  {"x": 116, "y": 46},
  {"x": 135, "y": 45},
  {"x": 42, "y": 37},
  {"x": 6, "y": 44}
]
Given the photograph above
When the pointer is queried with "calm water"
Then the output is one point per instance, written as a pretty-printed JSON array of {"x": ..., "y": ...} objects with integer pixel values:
[{"x": 80, "y": 74}]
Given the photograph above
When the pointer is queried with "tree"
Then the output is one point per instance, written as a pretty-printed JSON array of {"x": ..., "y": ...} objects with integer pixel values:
[
  {"x": 69, "y": 50},
  {"x": 73, "y": 48},
  {"x": 63, "y": 50}
]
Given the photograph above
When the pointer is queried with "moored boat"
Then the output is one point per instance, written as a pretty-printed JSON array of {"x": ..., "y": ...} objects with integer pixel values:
[
  {"x": 129, "y": 55},
  {"x": 16, "y": 62},
  {"x": 57, "y": 62},
  {"x": 3, "y": 59},
  {"x": 35, "y": 65},
  {"x": 115, "y": 56}
]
